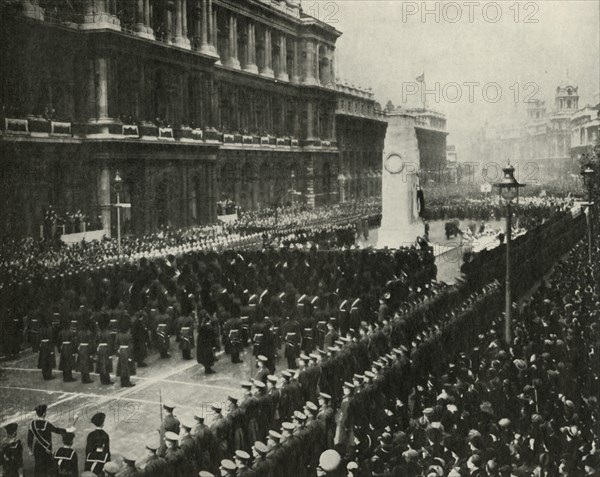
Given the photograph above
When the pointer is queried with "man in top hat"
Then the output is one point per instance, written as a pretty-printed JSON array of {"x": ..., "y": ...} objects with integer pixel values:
[
  {"x": 39, "y": 442},
  {"x": 242, "y": 459},
  {"x": 155, "y": 465},
  {"x": 206, "y": 343},
  {"x": 46, "y": 359},
  {"x": 170, "y": 423},
  {"x": 139, "y": 339},
  {"x": 11, "y": 453},
  {"x": 65, "y": 457}
]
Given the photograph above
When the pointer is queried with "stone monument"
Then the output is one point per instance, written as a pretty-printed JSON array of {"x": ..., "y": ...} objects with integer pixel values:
[{"x": 400, "y": 222}]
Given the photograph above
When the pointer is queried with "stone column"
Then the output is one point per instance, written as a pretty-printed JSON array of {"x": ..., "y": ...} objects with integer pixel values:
[
  {"x": 309, "y": 63},
  {"x": 168, "y": 24},
  {"x": 310, "y": 119},
  {"x": 97, "y": 16},
  {"x": 104, "y": 199},
  {"x": 181, "y": 38},
  {"x": 267, "y": 69},
  {"x": 232, "y": 56},
  {"x": 142, "y": 27},
  {"x": 204, "y": 44},
  {"x": 250, "y": 65},
  {"x": 310, "y": 181},
  {"x": 317, "y": 63},
  {"x": 214, "y": 35},
  {"x": 282, "y": 74},
  {"x": 295, "y": 78}
]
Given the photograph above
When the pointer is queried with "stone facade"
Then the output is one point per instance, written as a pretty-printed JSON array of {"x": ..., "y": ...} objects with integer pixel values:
[
  {"x": 539, "y": 145},
  {"x": 192, "y": 101}
]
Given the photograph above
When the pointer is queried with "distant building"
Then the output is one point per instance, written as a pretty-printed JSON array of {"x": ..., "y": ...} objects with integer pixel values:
[
  {"x": 539, "y": 145},
  {"x": 585, "y": 133},
  {"x": 431, "y": 131},
  {"x": 451, "y": 163}
]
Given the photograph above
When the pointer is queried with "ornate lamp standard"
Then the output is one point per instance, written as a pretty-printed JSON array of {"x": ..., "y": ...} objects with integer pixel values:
[
  {"x": 118, "y": 186},
  {"x": 508, "y": 188},
  {"x": 589, "y": 175}
]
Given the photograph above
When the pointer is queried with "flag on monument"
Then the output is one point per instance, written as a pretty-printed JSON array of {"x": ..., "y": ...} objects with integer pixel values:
[{"x": 421, "y": 79}]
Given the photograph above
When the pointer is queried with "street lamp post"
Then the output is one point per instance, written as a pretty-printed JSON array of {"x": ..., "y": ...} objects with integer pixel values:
[
  {"x": 588, "y": 174},
  {"x": 508, "y": 189},
  {"x": 118, "y": 185}
]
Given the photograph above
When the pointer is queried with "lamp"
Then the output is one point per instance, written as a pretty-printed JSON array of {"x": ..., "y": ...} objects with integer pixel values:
[{"x": 509, "y": 186}]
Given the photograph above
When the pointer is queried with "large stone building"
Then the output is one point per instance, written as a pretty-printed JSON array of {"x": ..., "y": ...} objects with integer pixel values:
[
  {"x": 585, "y": 132},
  {"x": 539, "y": 145},
  {"x": 192, "y": 101}
]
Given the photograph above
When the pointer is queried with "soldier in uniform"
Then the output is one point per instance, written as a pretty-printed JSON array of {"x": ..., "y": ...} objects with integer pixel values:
[
  {"x": 67, "y": 361},
  {"x": 205, "y": 442},
  {"x": 65, "y": 457},
  {"x": 98, "y": 437},
  {"x": 263, "y": 371},
  {"x": 11, "y": 453},
  {"x": 220, "y": 430},
  {"x": 242, "y": 459},
  {"x": 329, "y": 464},
  {"x": 233, "y": 339},
  {"x": 186, "y": 342},
  {"x": 104, "y": 364},
  {"x": 174, "y": 455},
  {"x": 169, "y": 424},
  {"x": 344, "y": 436},
  {"x": 249, "y": 409},
  {"x": 206, "y": 343},
  {"x": 163, "y": 342},
  {"x": 85, "y": 363},
  {"x": 155, "y": 465},
  {"x": 39, "y": 442},
  {"x": 291, "y": 332},
  {"x": 46, "y": 359},
  {"x": 261, "y": 466},
  {"x": 228, "y": 468},
  {"x": 130, "y": 469},
  {"x": 188, "y": 446},
  {"x": 124, "y": 367},
  {"x": 139, "y": 339},
  {"x": 274, "y": 395}
]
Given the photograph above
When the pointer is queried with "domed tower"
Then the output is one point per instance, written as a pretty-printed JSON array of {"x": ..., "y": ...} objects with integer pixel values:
[{"x": 567, "y": 98}]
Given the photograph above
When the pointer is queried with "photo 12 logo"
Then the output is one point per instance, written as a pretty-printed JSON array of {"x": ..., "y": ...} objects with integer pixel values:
[
  {"x": 471, "y": 91},
  {"x": 470, "y": 12}
]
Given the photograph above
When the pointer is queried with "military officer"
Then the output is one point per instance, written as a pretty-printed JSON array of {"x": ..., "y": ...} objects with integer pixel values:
[
  {"x": 129, "y": 469},
  {"x": 188, "y": 445},
  {"x": 220, "y": 429},
  {"x": 263, "y": 371},
  {"x": 242, "y": 459},
  {"x": 205, "y": 442},
  {"x": 170, "y": 423},
  {"x": 39, "y": 441},
  {"x": 125, "y": 367},
  {"x": 67, "y": 361},
  {"x": 228, "y": 468},
  {"x": 174, "y": 456},
  {"x": 155, "y": 465},
  {"x": 139, "y": 340}
]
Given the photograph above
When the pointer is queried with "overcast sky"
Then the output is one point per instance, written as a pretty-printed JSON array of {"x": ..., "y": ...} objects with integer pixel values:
[{"x": 386, "y": 44}]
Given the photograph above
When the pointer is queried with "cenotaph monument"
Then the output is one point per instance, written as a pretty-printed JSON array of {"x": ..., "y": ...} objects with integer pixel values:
[{"x": 400, "y": 221}]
